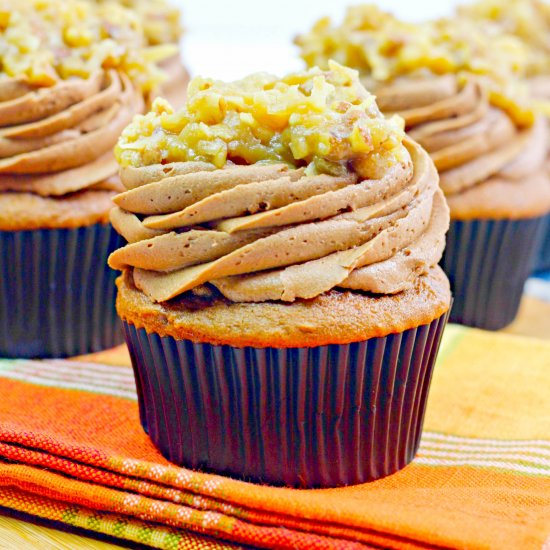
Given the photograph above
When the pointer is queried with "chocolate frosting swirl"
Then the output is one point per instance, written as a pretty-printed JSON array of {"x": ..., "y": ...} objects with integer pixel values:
[
  {"x": 267, "y": 232},
  {"x": 488, "y": 165},
  {"x": 56, "y": 143}
]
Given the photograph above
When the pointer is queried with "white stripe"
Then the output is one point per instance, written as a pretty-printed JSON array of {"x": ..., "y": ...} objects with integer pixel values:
[
  {"x": 72, "y": 366},
  {"x": 63, "y": 372},
  {"x": 484, "y": 463},
  {"x": 98, "y": 367},
  {"x": 484, "y": 447},
  {"x": 91, "y": 384},
  {"x": 79, "y": 365},
  {"x": 426, "y": 436},
  {"x": 51, "y": 372},
  {"x": 496, "y": 456},
  {"x": 14, "y": 375},
  {"x": 93, "y": 380}
]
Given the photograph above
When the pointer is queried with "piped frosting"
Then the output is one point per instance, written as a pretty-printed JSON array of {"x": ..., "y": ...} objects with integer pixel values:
[{"x": 366, "y": 215}]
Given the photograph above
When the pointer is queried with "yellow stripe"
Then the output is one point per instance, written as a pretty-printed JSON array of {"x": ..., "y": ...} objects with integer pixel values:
[{"x": 490, "y": 385}]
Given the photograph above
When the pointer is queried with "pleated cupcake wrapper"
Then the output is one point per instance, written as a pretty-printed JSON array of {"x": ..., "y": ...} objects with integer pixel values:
[
  {"x": 488, "y": 262},
  {"x": 306, "y": 417},
  {"x": 543, "y": 259},
  {"x": 57, "y": 294}
]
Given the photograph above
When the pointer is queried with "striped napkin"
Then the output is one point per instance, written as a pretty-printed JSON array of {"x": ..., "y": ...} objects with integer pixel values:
[{"x": 72, "y": 452}]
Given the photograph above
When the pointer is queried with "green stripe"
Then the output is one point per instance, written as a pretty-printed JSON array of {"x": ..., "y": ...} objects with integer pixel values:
[
  {"x": 171, "y": 541},
  {"x": 94, "y": 522},
  {"x": 144, "y": 534},
  {"x": 70, "y": 515},
  {"x": 119, "y": 528}
]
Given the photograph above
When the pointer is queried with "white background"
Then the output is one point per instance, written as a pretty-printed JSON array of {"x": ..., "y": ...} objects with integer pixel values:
[{"x": 228, "y": 39}]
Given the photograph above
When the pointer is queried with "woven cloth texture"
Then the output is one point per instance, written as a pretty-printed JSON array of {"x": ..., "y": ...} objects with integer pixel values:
[{"x": 72, "y": 450}]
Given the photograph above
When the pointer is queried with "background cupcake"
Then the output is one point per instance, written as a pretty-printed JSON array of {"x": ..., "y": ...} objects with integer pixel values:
[
  {"x": 161, "y": 22},
  {"x": 456, "y": 85},
  {"x": 529, "y": 20},
  {"x": 280, "y": 290},
  {"x": 72, "y": 77}
]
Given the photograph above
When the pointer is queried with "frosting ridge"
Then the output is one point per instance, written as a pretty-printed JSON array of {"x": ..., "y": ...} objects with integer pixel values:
[
  {"x": 69, "y": 149},
  {"x": 70, "y": 82},
  {"x": 328, "y": 241}
]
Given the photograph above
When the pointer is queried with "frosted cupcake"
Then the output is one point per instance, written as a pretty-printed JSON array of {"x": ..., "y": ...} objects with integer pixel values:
[
  {"x": 529, "y": 20},
  {"x": 280, "y": 292},
  {"x": 456, "y": 87},
  {"x": 72, "y": 77}
]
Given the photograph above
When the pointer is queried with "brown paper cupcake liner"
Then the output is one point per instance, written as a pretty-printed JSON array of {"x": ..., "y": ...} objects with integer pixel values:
[
  {"x": 57, "y": 294},
  {"x": 305, "y": 417},
  {"x": 488, "y": 263}
]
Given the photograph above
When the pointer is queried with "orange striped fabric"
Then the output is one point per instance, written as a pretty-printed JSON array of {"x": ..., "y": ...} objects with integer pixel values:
[{"x": 72, "y": 451}]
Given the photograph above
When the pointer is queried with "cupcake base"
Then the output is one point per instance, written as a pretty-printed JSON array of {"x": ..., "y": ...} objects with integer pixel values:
[
  {"x": 305, "y": 417},
  {"x": 488, "y": 263},
  {"x": 57, "y": 295}
]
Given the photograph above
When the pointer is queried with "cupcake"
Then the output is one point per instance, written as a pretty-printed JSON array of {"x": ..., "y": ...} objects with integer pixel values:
[
  {"x": 458, "y": 88},
  {"x": 163, "y": 30},
  {"x": 529, "y": 20},
  {"x": 280, "y": 291},
  {"x": 72, "y": 77}
]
